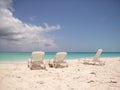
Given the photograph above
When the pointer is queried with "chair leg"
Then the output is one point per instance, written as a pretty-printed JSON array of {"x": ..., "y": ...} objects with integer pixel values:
[
  {"x": 31, "y": 68},
  {"x": 28, "y": 63},
  {"x": 44, "y": 67},
  {"x": 55, "y": 65},
  {"x": 66, "y": 65}
]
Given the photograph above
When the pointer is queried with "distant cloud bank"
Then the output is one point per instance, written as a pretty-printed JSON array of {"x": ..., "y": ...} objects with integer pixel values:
[{"x": 17, "y": 35}]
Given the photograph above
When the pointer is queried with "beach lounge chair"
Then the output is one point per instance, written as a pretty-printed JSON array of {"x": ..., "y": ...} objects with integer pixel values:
[
  {"x": 37, "y": 60},
  {"x": 59, "y": 60},
  {"x": 95, "y": 60}
]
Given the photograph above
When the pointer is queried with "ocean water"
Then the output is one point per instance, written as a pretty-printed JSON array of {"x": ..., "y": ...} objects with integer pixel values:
[{"x": 4, "y": 57}]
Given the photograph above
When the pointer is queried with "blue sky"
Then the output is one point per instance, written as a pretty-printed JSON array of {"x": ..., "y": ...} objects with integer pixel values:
[{"x": 64, "y": 25}]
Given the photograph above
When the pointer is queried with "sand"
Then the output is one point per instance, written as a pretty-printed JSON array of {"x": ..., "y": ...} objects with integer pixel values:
[{"x": 17, "y": 76}]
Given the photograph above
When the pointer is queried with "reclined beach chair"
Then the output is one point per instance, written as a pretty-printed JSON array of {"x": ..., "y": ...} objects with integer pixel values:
[
  {"x": 59, "y": 60},
  {"x": 37, "y": 60},
  {"x": 95, "y": 60}
]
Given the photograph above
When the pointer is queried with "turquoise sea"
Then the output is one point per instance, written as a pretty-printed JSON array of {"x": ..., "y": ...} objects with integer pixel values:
[{"x": 20, "y": 56}]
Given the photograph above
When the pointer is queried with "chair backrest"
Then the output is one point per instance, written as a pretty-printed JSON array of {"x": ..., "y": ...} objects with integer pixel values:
[
  {"x": 60, "y": 56},
  {"x": 97, "y": 55},
  {"x": 38, "y": 55}
]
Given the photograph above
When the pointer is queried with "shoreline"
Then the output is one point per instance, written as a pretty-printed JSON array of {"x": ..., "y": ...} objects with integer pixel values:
[{"x": 77, "y": 59}]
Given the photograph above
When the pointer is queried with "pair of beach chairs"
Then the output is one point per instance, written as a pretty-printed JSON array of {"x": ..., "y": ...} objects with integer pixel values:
[{"x": 37, "y": 60}]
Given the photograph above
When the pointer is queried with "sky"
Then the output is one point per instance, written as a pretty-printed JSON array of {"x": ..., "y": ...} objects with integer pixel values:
[{"x": 59, "y": 25}]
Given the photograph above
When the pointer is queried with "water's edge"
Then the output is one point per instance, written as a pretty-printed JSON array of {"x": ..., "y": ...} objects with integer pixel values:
[{"x": 6, "y": 57}]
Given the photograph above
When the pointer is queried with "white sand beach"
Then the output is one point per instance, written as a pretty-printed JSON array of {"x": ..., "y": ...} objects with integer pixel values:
[{"x": 77, "y": 76}]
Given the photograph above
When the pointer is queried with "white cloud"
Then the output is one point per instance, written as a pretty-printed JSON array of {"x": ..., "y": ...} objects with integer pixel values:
[
  {"x": 6, "y": 4},
  {"x": 22, "y": 36}
]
